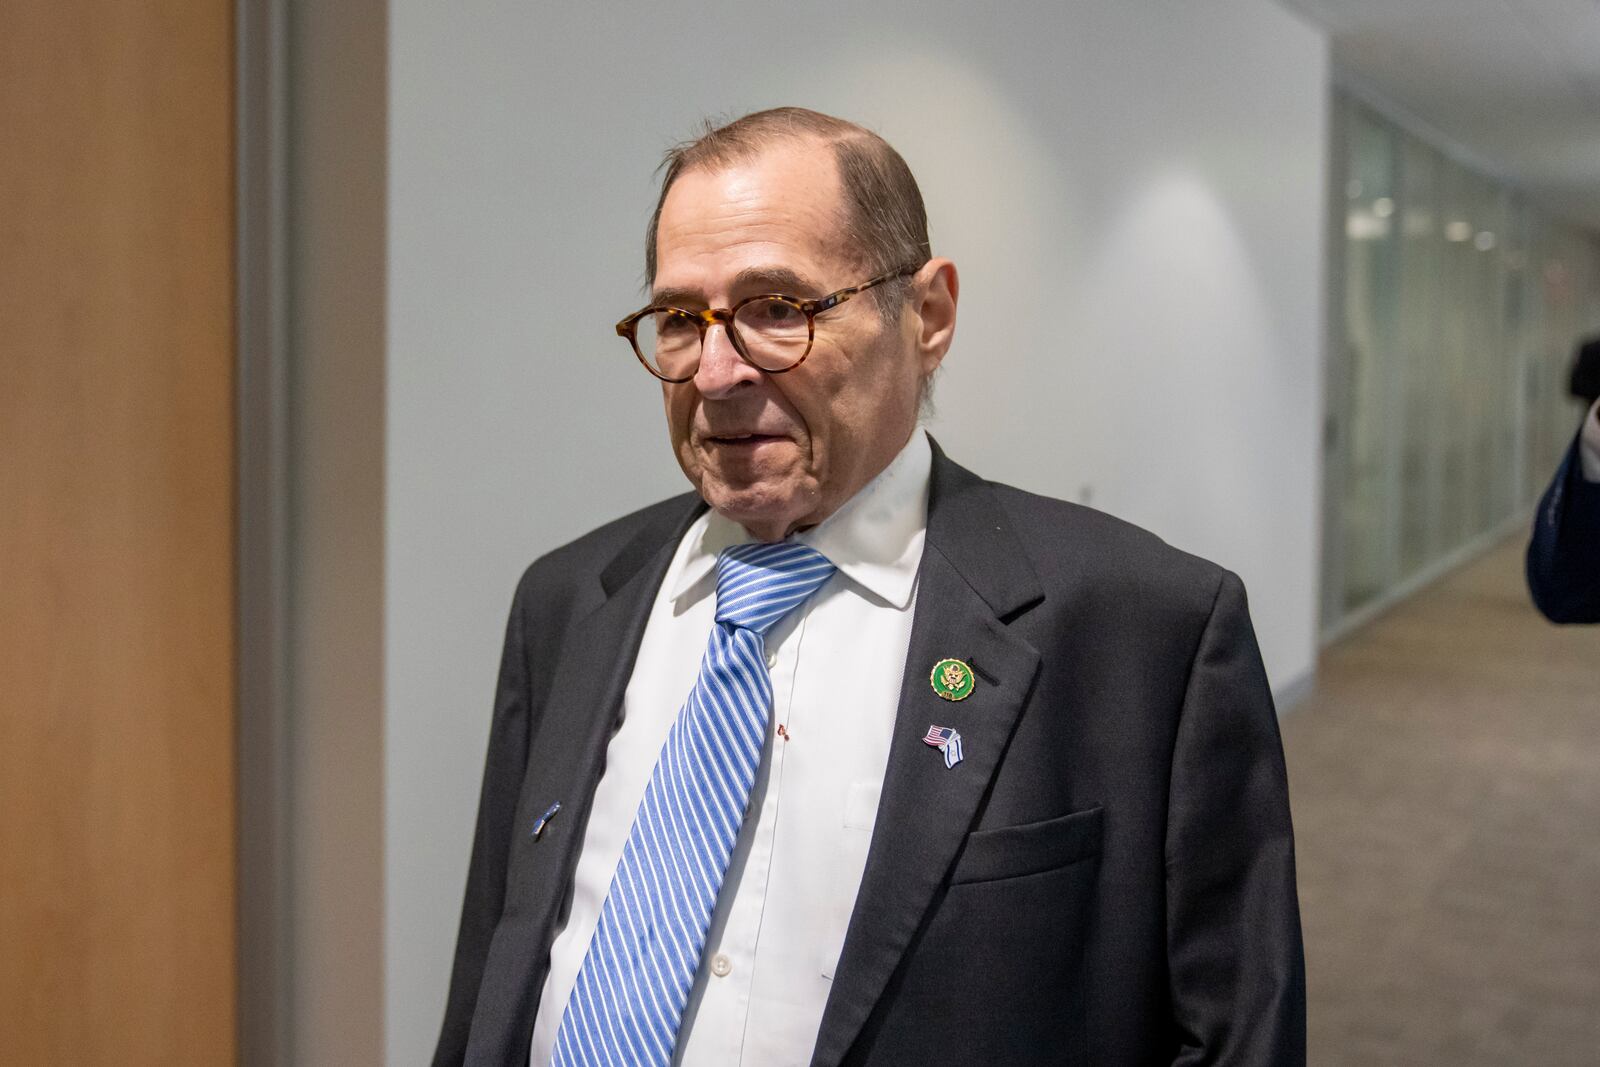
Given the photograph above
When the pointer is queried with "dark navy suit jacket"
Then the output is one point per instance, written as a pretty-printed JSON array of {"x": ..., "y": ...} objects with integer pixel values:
[
  {"x": 1564, "y": 554},
  {"x": 1106, "y": 878}
]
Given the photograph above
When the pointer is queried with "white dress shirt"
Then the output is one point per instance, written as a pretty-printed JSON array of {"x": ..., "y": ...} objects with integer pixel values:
[
  {"x": 836, "y": 665},
  {"x": 1589, "y": 444}
]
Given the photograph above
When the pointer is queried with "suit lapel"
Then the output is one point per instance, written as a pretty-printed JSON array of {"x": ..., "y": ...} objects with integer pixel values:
[
  {"x": 974, "y": 578},
  {"x": 565, "y": 761}
]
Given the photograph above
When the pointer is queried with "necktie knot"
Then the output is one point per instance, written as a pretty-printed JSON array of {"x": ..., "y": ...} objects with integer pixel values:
[{"x": 758, "y": 584}]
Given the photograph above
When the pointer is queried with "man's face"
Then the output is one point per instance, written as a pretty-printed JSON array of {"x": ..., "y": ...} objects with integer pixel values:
[{"x": 778, "y": 452}]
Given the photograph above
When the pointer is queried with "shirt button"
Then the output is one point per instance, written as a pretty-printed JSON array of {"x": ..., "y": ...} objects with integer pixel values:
[
  {"x": 721, "y": 965},
  {"x": 772, "y": 660}
]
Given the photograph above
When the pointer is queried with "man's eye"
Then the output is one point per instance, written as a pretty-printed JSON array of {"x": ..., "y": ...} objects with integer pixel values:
[{"x": 771, "y": 315}]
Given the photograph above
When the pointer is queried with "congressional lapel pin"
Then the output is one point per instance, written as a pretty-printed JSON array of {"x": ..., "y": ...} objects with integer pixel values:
[
  {"x": 946, "y": 740},
  {"x": 544, "y": 820},
  {"x": 952, "y": 679}
]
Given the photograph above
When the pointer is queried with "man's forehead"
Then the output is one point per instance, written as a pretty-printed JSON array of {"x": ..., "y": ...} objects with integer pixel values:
[
  {"x": 784, "y": 180},
  {"x": 782, "y": 203},
  {"x": 809, "y": 161}
]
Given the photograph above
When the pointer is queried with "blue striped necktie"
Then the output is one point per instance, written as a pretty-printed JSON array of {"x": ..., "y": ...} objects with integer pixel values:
[{"x": 630, "y": 994}]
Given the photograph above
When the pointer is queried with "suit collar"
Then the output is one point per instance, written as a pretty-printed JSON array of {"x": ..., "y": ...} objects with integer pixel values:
[
  {"x": 975, "y": 578},
  {"x": 665, "y": 525},
  {"x": 968, "y": 526}
]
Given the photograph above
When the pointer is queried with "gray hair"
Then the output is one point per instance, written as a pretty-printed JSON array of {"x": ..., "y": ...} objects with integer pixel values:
[{"x": 885, "y": 223}]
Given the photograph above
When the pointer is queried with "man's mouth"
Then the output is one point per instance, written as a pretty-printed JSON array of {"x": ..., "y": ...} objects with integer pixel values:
[{"x": 743, "y": 439}]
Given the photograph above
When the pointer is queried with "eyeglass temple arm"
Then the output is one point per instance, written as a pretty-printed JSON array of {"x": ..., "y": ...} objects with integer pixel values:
[{"x": 833, "y": 300}]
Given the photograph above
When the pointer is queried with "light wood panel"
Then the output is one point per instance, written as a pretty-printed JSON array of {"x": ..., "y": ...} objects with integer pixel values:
[{"x": 116, "y": 545}]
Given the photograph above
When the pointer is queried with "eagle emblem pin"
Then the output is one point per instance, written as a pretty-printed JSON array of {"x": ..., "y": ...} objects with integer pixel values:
[{"x": 952, "y": 679}]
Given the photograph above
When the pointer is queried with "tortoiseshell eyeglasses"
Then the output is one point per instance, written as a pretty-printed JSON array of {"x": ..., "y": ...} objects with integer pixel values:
[{"x": 771, "y": 332}]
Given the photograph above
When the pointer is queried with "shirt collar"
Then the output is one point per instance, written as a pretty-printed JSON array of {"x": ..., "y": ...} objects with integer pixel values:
[{"x": 875, "y": 538}]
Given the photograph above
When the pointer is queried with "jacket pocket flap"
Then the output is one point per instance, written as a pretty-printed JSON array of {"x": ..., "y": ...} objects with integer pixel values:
[{"x": 1014, "y": 851}]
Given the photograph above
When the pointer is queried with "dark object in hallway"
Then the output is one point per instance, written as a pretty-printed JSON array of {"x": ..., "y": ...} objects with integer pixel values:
[
  {"x": 1585, "y": 380},
  {"x": 1563, "y": 562}
]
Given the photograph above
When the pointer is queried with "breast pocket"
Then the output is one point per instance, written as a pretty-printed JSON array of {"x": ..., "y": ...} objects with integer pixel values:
[
  {"x": 1011, "y": 934},
  {"x": 1032, "y": 848}
]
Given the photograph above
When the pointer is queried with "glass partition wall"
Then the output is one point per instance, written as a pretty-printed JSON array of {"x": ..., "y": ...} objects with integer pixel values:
[{"x": 1455, "y": 309}]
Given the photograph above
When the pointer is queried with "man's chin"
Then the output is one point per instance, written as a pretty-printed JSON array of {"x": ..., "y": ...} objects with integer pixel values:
[{"x": 768, "y": 512}]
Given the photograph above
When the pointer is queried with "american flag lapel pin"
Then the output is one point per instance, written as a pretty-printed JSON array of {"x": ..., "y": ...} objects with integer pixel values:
[{"x": 946, "y": 740}]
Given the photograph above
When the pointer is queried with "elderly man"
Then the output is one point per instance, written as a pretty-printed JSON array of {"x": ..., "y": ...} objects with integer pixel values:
[{"x": 850, "y": 756}]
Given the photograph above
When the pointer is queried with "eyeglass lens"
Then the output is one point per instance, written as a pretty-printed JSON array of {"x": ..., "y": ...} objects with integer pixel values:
[{"x": 771, "y": 333}]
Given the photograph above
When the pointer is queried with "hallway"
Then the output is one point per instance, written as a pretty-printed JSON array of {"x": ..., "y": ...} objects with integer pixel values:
[{"x": 1446, "y": 794}]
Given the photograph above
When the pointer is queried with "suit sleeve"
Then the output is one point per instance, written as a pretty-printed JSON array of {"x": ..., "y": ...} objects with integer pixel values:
[
  {"x": 486, "y": 874},
  {"x": 1564, "y": 552},
  {"x": 1236, "y": 966}
]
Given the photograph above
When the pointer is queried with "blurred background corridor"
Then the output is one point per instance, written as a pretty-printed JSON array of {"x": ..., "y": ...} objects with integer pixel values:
[{"x": 1445, "y": 798}]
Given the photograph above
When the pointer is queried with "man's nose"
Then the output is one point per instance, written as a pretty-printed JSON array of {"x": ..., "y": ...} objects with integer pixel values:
[{"x": 721, "y": 371}]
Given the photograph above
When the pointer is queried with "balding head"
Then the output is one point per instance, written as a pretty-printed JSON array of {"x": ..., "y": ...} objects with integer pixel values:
[{"x": 884, "y": 225}]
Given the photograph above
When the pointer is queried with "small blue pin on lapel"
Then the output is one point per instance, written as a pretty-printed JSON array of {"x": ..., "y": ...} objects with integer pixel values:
[
  {"x": 946, "y": 740},
  {"x": 544, "y": 820}
]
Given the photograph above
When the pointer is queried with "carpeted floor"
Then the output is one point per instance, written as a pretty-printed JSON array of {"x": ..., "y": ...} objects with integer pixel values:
[{"x": 1445, "y": 781}]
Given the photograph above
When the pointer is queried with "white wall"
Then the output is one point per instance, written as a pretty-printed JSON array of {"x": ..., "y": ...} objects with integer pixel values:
[{"x": 1132, "y": 191}]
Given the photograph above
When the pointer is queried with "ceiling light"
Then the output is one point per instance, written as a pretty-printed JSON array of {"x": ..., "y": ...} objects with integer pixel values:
[{"x": 1365, "y": 226}]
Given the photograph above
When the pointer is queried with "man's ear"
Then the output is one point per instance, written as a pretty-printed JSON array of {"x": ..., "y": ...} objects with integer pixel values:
[{"x": 939, "y": 287}]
